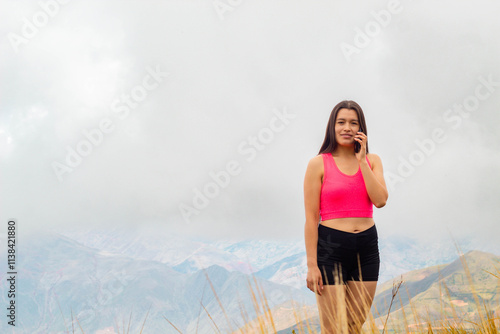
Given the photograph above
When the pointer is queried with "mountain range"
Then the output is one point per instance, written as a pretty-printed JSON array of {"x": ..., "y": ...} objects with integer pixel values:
[{"x": 105, "y": 278}]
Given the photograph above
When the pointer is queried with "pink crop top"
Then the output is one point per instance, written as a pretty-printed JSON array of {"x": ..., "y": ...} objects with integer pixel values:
[{"x": 343, "y": 195}]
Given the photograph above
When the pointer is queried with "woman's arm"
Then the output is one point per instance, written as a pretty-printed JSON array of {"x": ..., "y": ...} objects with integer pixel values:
[
  {"x": 312, "y": 189},
  {"x": 374, "y": 180}
]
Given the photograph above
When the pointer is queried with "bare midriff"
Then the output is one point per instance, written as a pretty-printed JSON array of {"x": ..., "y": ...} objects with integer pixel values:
[{"x": 349, "y": 224}]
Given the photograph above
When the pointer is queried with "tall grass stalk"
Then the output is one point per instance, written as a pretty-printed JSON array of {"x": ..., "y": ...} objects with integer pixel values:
[
  {"x": 264, "y": 322},
  {"x": 395, "y": 290},
  {"x": 486, "y": 324}
]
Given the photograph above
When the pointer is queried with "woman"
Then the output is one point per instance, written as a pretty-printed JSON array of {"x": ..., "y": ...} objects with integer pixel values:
[{"x": 341, "y": 185}]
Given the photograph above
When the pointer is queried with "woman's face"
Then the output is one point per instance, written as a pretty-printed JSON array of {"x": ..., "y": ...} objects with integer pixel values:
[{"x": 346, "y": 126}]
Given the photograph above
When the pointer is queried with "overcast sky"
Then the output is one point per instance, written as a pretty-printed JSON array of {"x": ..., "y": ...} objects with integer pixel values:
[{"x": 114, "y": 113}]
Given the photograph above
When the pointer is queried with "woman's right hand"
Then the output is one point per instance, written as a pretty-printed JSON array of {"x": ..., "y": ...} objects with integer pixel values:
[{"x": 314, "y": 279}]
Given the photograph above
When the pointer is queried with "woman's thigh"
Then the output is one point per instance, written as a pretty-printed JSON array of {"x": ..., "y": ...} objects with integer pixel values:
[
  {"x": 332, "y": 308},
  {"x": 360, "y": 296}
]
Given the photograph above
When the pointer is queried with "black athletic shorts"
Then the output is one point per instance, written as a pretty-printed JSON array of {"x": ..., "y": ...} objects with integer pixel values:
[{"x": 348, "y": 256}]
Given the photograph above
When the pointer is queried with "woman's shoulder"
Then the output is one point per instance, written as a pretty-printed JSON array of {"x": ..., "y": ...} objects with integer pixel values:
[
  {"x": 372, "y": 156},
  {"x": 373, "y": 159},
  {"x": 316, "y": 162},
  {"x": 317, "y": 159}
]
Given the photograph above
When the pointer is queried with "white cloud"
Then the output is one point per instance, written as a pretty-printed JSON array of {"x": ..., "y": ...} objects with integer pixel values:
[{"x": 228, "y": 75}]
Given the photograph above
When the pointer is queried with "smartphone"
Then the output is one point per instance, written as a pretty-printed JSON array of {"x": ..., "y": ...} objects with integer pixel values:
[{"x": 357, "y": 145}]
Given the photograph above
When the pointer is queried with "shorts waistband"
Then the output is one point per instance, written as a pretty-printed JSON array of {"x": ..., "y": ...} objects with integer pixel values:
[{"x": 368, "y": 230}]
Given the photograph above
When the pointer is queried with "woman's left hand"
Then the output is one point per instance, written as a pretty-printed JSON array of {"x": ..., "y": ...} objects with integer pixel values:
[{"x": 361, "y": 138}]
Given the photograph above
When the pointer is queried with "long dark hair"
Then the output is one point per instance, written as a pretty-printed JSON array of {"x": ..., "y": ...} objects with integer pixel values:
[{"x": 330, "y": 143}]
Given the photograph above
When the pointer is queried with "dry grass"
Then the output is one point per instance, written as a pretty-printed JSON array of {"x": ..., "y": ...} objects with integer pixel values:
[{"x": 484, "y": 321}]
